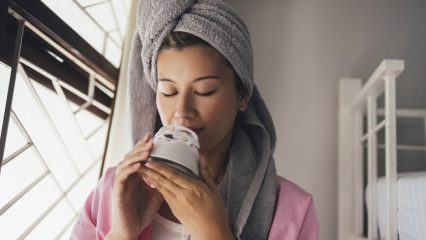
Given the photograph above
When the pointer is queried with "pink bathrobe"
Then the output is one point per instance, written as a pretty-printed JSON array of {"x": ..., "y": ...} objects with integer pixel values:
[{"x": 294, "y": 216}]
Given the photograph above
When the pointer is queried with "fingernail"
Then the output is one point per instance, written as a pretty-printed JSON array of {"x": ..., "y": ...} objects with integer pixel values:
[
  {"x": 145, "y": 137},
  {"x": 150, "y": 165},
  {"x": 147, "y": 182}
]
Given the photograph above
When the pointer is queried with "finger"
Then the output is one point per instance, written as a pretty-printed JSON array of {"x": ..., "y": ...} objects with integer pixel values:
[
  {"x": 142, "y": 141},
  {"x": 166, "y": 187},
  {"x": 206, "y": 176},
  {"x": 172, "y": 174},
  {"x": 143, "y": 144},
  {"x": 124, "y": 174},
  {"x": 131, "y": 160},
  {"x": 147, "y": 147}
]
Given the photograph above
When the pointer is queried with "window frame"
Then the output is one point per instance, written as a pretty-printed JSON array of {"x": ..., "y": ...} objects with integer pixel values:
[{"x": 43, "y": 30}]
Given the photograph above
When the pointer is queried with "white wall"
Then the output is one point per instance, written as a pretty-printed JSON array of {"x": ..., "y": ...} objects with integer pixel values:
[{"x": 301, "y": 50}]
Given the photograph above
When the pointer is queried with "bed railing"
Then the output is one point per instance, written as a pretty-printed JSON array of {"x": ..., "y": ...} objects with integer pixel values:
[
  {"x": 353, "y": 100},
  {"x": 412, "y": 114}
]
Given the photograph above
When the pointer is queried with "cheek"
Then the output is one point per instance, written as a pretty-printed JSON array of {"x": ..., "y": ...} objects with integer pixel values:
[
  {"x": 221, "y": 112},
  {"x": 164, "y": 109}
]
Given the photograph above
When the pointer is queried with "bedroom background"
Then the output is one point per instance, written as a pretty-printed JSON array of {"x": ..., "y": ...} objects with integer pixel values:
[{"x": 302, "y": 49}]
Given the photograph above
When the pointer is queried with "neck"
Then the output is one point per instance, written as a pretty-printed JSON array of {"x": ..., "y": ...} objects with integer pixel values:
[{"x": 217, "y": 158}]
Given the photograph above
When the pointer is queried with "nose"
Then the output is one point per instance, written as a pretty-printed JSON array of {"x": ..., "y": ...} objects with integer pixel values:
[{"x": 185, "y": 107}]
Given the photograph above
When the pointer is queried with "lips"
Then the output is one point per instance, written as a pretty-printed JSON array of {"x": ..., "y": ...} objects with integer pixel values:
[{"x": 196, "y": 130}]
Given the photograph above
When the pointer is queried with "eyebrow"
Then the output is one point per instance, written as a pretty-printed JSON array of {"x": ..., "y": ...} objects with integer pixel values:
[{"x": 195, "y": 80}]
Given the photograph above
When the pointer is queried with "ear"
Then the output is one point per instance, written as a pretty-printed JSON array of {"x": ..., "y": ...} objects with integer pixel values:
[{"x": 242, "y": 102}]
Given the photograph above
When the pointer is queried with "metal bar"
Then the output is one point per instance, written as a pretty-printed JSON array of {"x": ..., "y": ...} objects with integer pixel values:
[
  {"x": 16, "y": 153},
  {"x": 45, "y": 20},
  {"x": 120, "y": 34},
  {"x": 358, "y": 175},
  {"x": 108, "y": 92},
  {"x": 12, "y": 80},
  {"x": 112, "y": 39},
  {"x": 375, "y": 84},
  {"x": 90, "y": 94},
  {"x": 70, "y": 88},
  {"x": 43, "y": 163},
  {"x": 94, "y": 4},
  {"x": 46, "y": 115},
  {"x": 364, "y": 138},
  {"x": 390, "y": 164},
  {"x": 95, "y": 103},
  {"x": 67, "y": 54},
  {"x": 82, "y": 107},
  {"x": 54, "y": 204},
  {"x": 66, "y": 191},
  {"x": 59, "y": 235},
  {"x": 405, "y": 147},
  {"x": 104, "y": 43},
  {"x": 108, "y": 134},
  {"x": 83, "y": 9},
  {"x": 424, "y": 129},
  {"x": 377, "y": 128},
  {"x": 91, "y": 90},
  {"x": 23, "y": 192},
  {"x": 61, "y": 94},
  {"x": 97, "y": 129},
  {"x": 372, "y": 167},
  {"x": 406, "y": 113},
  {"x": 21, "y": 127},
  {"x": 37, "y": 153},
  {"x": 25, "y": 135},
  {"x": 41, "y": 218},
  {"x": 4, "y": 6}
]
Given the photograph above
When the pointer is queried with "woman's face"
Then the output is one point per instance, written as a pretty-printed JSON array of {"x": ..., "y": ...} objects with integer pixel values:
[{"x": 196, "y": 89}]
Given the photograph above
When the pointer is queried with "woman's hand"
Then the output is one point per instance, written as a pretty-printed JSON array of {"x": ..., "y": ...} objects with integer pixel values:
[
  {"x": 197, "y": 204},
  {"x": 134, "y": 204}
]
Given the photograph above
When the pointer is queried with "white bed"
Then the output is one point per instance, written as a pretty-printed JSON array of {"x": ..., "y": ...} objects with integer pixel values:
[
  {"x": 399, "y": 209},
  {"x": 411, "y": 206}
]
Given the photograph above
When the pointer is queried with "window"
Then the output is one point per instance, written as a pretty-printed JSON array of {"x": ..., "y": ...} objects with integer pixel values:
[
  {"x": 101, "y": 23},
  {"x": 60, "y": 113}
]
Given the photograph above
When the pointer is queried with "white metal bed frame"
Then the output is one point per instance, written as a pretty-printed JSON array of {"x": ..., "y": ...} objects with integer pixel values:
[{"x": 353, "y": 99}]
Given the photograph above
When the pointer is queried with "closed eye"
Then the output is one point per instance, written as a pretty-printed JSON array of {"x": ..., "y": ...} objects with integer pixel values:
[
  {"x": 205, "y": 94},
  {"x": 169, "y": 94}
]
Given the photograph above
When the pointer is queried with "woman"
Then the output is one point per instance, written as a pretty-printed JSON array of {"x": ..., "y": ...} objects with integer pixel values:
[{"x": 192, "y": 65}]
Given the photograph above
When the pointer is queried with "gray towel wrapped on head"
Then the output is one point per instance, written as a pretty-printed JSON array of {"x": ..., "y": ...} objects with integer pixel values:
[{"x": 249, "y": 185}]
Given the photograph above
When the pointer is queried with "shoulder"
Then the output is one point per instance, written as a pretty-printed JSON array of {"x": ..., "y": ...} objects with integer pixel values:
[
  {"x": 292, "y": 194},
  {"x": 108, "y": 177},
  {"x": 294, "y": 212}
]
